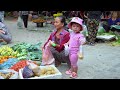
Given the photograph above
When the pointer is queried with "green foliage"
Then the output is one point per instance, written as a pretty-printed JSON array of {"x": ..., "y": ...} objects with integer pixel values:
[{"x": 28, "y": 51}]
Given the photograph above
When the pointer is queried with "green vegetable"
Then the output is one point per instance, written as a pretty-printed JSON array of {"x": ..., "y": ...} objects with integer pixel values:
[{"x": 28, "y": 51}]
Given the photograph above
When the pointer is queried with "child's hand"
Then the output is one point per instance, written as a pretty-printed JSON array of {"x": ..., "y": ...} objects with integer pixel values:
[
  {"x": 80, "y": 52},
  {"x": 80, "y": 55},
  {"x": 66, "y": 44}
]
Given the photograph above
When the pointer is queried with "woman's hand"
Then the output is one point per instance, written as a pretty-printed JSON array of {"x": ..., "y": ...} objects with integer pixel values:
[
  {"x": 51, "y": 43},
  {"x": 1, "y": 31},
  {"x": 118, "y": 23}
]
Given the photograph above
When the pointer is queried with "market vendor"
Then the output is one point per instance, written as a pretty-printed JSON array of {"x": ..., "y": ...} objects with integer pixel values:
[
  {"x": 59, "y": 37},
  {"x": 113, "y": 23},
  {"x": 5, "y": 36}
]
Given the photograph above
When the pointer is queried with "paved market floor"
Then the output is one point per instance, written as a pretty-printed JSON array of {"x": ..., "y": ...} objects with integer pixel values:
[{"x": 101, "y": 61}]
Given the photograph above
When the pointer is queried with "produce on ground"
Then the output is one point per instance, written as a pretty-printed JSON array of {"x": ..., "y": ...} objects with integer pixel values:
[
  {"x": 47, "y": 71},
  {"x": 5, "y": 58},
  {"x": 6, "y": 75},
  {"x": 117, "y": 42},
  {"x": 37, "y": 72},
  {"x": 28, "y": 51},
  {"x": 9, "y": 63},
  {"x": 38, "y": 20},
  {"x": 7, "y": 51},
  {"x": 19, "y": 65}
]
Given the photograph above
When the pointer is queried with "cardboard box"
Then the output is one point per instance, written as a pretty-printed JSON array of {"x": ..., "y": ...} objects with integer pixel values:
[{"x": 57, "y": 75}]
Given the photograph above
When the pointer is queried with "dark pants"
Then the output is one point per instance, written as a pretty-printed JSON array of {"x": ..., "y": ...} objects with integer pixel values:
[
  {"x": 114, "y": 29},
  {"x": 60, "y": 56},
  {"x": 106, "y": 27},
  {"x": 7, "y": 38},
  {"x": 25, "y": 20}
]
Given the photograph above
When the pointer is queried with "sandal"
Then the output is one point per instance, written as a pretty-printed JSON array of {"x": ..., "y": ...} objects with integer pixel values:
[
  {"x": 68, "y": 72},
  {"x": 73, "y": 75},
  {"x": 57, "y": 63}
]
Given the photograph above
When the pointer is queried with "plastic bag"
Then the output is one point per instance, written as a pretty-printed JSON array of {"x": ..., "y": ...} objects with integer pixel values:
[
  {"x": 31, "y": 65},
  {"x": 80, "y": 53},
  {"x": 115, "y": 26},
  {"x": 101, "y": 30},
  {"x": 47, "y": 57},
  {"x": 20, "y": 22},
  {"x": 66, "y": 50},
  {"x": 84, "y": 31},
  {"x": 5, "y": 71}
]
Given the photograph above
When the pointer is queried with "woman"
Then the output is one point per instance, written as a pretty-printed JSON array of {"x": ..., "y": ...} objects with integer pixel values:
[
  {"x": 5, "y": 36},
  {"x": 24, "y": 15},
  {"x": 59, "y": 37},
  {"x": 113, "y": 20}
]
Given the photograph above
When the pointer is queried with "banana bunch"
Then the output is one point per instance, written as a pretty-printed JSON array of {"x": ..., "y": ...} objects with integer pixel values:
[{"x": 7, "y": 51}]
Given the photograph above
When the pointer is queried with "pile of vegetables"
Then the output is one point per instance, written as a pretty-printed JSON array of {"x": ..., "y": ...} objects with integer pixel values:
[
  {"x": 7, "y": 52},
  {"x": 14, "y": 57},
  {"x": 117, "y": 41},
  {"x": 38, "y": 20},
  {"x": 28, "y": 51},
  {"x": 37, "y": 71},
  {"x": 101, "y": 31},
  {"x": 8, "y": 63},
  {"x": 19, "y": 65},
  {"x": 6, "y": 75}
]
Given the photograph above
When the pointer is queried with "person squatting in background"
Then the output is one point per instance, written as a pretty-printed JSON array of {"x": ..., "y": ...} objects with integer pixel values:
[
  {"x": 76, "y": 40},
  {"x": 2, "y": 16},
  {"x": 5, "y": 35}
]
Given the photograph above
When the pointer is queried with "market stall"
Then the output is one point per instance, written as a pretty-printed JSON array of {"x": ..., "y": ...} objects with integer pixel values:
[
  {"x": 39, "y": 21},
  {"x": 23, "y": 61}
]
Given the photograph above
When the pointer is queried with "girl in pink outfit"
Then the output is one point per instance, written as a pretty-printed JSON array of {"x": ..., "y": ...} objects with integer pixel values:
[{"x": 76, "y": 39}]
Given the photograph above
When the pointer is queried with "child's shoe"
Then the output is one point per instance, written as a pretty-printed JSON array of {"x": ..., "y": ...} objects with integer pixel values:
[
  {"x": 68, "y": 72},
  {"x": 73, "y": 75}
]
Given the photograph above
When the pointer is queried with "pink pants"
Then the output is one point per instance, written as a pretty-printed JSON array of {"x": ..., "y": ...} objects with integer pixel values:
[{"x": 73, "y": 57}]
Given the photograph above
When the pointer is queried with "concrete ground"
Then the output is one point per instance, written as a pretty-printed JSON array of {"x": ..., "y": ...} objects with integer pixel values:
[{"x": 101, "y": 61}]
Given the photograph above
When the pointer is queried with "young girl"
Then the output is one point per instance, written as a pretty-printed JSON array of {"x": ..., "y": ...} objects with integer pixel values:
[{"x": 76, "y": 39}]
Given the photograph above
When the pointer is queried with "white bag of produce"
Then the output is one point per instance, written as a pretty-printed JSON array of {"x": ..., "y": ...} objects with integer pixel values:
[{"x": 8, "y": 74}]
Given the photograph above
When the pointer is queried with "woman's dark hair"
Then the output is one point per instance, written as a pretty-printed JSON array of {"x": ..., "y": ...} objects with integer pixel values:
[{"x": 63, "y": 20}]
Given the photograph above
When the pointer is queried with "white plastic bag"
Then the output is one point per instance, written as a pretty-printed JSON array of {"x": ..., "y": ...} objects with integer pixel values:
[
  {"x": 47, "y": 57},
  {"x": 66, "y": 50},
  {"x": 20, "y": 22},
  {"x": 31, "y": 64},
  {"x": 80, "y": 53}
]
